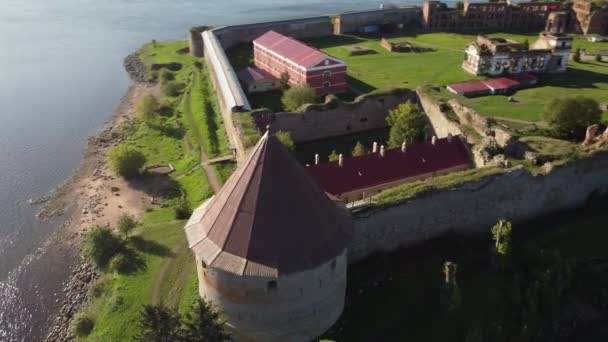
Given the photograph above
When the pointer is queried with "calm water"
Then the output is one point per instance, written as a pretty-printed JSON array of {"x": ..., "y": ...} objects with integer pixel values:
[{"x": 60, "y": 78}]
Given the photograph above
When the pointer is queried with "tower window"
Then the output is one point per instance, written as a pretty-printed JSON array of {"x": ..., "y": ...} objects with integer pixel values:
[
  {"x": 272, "y": 285},
  {"x": 326, "y": 85},
  {"x": 326, "y": 73}
]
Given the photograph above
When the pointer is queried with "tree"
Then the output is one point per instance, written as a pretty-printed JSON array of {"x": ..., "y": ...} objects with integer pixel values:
[
  {"x": 182, "y": 210},
  {"x": 407, "y": 124},
  {"x": 100, "y": 245},
  {"x": 359, "y": 150},
  {"x": 203, "y": 323},
  {"x": 82, "y": 325},
  {"x": 577, "y": 55},
  {"x": 147, "y": 107},
  {"x": 333, "y": 156},
  {"x": 571, "y": 116},
  {"x": 166, "y": 75},
  {"x": 284, "y": 81},
  {"x": 295, "y": 97},
  {"x": 598, "y": 57},
  {"x": 526, "y": 45},
  {"x": 126, "y": 162},
  {"x": 459, "y": 5},
  {"x": 173, "y": 88},
  {"x": 126, "y": 224},
  {"x": 158, "y": 324},
  {"x": 501, "y": 234},
  {"x": 285, "y": 139}
]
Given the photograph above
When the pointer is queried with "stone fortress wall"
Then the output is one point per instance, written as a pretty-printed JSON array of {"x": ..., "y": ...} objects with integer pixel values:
[
  {"x": 335, "y": 117},
  {"x": 301, "y": 307},
  {"x": 401, "y": 18},
  {"x": 476, "y": 206}
]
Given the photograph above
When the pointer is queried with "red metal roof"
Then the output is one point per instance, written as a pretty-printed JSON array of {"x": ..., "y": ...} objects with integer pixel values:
[
  {"x": 291, "y": 49},
  {"x": 502, "y": 83},
  {"x": 373, "y": 169},
  {"x": 253, "y": 74},
  {"x": 469, "y": 87},
  {"x": 270, "y": 218}
]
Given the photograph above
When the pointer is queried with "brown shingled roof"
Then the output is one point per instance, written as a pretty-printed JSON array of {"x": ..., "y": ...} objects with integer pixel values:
[{"x": 269, "y": 219}]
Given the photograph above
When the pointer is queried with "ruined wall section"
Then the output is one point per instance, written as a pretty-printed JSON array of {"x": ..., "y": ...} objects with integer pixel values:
[
  {"x": 400, "y": 18},
  {"x": 303, "y": 28},
  {"x": 435, "y": 112},
  {"x": 335, "y": 117},
  {"x": 476, "y": 206}
]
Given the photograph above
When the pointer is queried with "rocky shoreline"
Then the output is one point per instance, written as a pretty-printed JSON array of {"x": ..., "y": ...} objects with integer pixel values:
[{"x": 90, "y": 193}]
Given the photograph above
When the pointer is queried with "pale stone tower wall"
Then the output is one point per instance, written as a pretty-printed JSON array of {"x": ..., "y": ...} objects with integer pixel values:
[
  {"x": 299, "y": 308},
  {"x": 195, "y": 42}
]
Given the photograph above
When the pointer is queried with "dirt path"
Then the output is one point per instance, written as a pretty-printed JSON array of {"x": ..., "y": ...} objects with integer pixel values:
[
  {"x": 214, "y": 180},
  {"x": 158, "y": 281}
]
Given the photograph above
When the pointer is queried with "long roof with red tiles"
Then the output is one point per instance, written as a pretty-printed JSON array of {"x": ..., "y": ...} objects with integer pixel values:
[
  {"x": 373, "y": 169},
  {"x": 269, "y": 219},
  {"x": 291, "y": 49}
]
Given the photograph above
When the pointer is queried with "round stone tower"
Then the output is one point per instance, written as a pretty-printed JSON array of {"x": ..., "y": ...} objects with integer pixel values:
[{"x": 271, "y": 249}]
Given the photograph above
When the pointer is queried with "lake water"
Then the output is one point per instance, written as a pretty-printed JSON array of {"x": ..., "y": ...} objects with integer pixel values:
[{"x": 60, "y": 78}]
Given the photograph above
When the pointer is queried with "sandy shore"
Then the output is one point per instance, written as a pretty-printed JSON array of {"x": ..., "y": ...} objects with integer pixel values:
[{"x": 91, "y": 196}]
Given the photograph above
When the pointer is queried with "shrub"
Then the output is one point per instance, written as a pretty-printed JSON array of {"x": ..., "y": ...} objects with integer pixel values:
[
  {"x": 203, "y": 323},
  {"x": 285, "y": 139},
  {"x": 100, "y": 245},
  {"x": 152, "y": 76},
  {"x": 99, "y": 287},
  {"x": 182, "y": 210},
  {"x": 284, "y": 81},
  {"x": 82, "y": 325},
  {"x": 571, "y": 116},
  {"x": 126, "y": 162},
  {"x": 295, "y": 97},
  {"x": 173, "y": 88},
  {"x": 166, "y": 75},
  {"x": 118, "y": 263},
  {"x": 126, "y": 224},
  {"x": 333, "y": 156},
  {"x": 577, "y": 55},
  {"x": 147, "y": 107},
  {"x": 359, "y": 150},
  {"x": 598, "y": 57},
  {"x": 407, "y": 124},
  {"x": 158, "y": 323}
]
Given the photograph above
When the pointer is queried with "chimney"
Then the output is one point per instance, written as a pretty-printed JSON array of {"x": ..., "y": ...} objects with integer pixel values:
[
  {"x": 403, "y": 147},
  {"x": 375, "y": 147},
  {"x": 317, "y": 159},
  {"x": 382, "y": 151},
  {"x": 434, "y": 140},
  {"x": 449, "y": 137},
  {"x": 340, "y": 160}
]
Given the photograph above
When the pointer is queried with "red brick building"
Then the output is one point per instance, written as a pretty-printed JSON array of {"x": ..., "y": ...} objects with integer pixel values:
[{"x": 278, "y": 54}]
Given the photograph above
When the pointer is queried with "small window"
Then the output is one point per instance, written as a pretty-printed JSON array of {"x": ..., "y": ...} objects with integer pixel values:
[
  {"x": 327, "y": 62},
  {"x": 326, "y": 84},
  {"x": 326, "y": 73},
  {"x": 272, "y": 285}
]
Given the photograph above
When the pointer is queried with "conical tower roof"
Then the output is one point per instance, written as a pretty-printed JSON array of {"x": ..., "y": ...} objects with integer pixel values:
[{"x": 269, "y": 219}]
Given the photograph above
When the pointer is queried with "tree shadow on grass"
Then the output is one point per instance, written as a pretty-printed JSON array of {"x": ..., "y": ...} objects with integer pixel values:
[
  {"x": 157, "y": 185},
  {"x": 149, "y": 247},
  {"x": 133, "y": 262},
  {"x": 575, "y": 78}
]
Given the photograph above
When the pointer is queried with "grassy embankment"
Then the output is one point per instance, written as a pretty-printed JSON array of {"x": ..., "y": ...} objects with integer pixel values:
[{"x": 166, "y": 273}]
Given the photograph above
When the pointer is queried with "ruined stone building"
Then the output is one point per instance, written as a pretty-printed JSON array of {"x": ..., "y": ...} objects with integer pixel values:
[
  {"x": 590, "y": 19},
  {"x": 271, "y": 249},
  {"x": 499, "y": 56}
]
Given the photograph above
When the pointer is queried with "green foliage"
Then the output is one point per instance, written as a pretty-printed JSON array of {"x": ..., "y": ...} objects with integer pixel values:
[
  {"x": 82, "y": 325},
  {"x": 285, "y": 139},
  {"x": 526, "y": 44},
  {"x": 173, "y": 88},
  {"x": 359, "y": 150},
  {"x": 119, "y": 263},
  {"x": 100, "y": 245},
  {"x": 501, "y": 234},
  {"x": 571, "y": 116},
  {"x": 126, "y": 224},
  {"x": 158, "y": 324},
  {"x": 407, "y": 124},
  {"x": 166, "y": 75},
  {"x": 126, "y": 162},
  {"x": 459, "y": 5},
  {"x": 203, "y": 323},
  {"x": 99, "y": 288},
  {"x": 333, "y": 156},
  {"x": 147, "y": 107},
  {"x": 284, "y": 81},
  {"x": 152, "y": 76},
  {"x": 296, "y": 96},
  {"x": 182, "y": 209}
]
